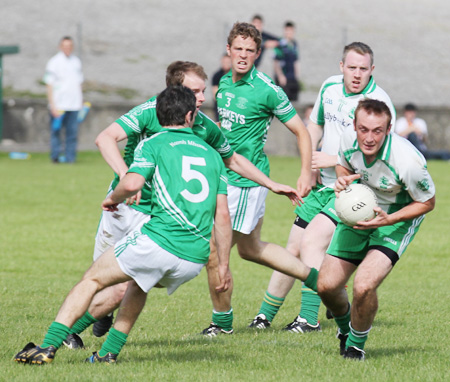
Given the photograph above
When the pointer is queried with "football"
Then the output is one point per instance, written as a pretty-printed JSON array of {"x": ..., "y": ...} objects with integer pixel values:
[{"x": 355, "y": 204}]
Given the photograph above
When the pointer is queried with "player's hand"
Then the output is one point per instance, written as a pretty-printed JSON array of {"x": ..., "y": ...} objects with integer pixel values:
[
  {"x": 381, "y": 220},
  {"x": 304, "y": 184},
  {"x": 292, "y": 194},
  {"x": 225, "y": 278},
  {"x": 322, "y": 160},
  {"x": 135, "y": 198},
  {"x": 109, "y": 205},
  {"x": 343, "y": 181}
]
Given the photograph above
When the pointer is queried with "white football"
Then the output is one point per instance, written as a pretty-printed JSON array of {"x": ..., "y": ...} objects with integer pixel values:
[{"x": 355, "y": 204}]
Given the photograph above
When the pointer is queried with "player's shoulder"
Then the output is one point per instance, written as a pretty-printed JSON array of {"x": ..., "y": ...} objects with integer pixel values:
[
  {"x": 403, "y": 154},
  {"x": 204, "y": 120},
  {"x": 336, "y": 80}
]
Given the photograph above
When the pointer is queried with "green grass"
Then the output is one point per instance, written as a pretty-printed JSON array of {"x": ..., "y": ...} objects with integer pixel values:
[{"x": 48, "y": 218}]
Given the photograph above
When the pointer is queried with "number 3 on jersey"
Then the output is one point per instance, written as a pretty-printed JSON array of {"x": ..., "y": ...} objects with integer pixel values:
[{"x": 189, "y": 174}]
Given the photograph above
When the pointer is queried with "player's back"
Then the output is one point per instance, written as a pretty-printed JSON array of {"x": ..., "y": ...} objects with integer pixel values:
[{"x": 186, "y": 176}]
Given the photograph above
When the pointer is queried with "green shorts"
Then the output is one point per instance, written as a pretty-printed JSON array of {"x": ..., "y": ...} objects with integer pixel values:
[
  {"x": 319, "y": 200},
  {"x": 353, "y": 244}
]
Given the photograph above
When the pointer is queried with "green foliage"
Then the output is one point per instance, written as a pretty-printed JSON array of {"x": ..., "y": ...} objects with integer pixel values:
[{"x": 48, "y": 218}]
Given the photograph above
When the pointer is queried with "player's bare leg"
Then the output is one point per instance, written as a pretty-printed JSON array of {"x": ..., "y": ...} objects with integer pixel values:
[
  {"x": 250, "y": 247},
  {"x": 222, "y": 318},
  {"x": 129, "y": 310},
  {"x": 102, "y": 273},
  {"x": 105, "y": 271}
]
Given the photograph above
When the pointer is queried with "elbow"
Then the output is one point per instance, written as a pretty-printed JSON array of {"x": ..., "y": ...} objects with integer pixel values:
[
  {"x": 432, "y": 203},
  {"x": 99, "y": 139}
]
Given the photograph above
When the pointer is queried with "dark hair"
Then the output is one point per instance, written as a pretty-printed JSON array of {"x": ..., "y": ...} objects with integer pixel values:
[
  {"x": 173, "y": 104},
  {"x": 289, "y": 24},
  {"x": 176, "y": 71},
  {"x": 67, "y": 38},
  {"x": 360, "y": 48},
  {"x": 245, "y": 30},
  {"x": 374, "y": 106},
  {"x": 258, "y": 17},
  {"x": 410, "y": 107}
]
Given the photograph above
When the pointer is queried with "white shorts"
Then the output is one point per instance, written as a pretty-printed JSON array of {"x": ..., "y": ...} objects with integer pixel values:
[
  {"x": 247, "y": 205},
  {"x": 114, "y": 226},
  {"x": 148, "y": 264}
]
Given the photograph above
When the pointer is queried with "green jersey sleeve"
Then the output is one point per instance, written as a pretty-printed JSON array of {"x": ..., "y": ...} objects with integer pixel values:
[
  {"x": 206, "y": 129},
  {"x": 141, "y": 119},
  {"x": 144, "y": 159}
]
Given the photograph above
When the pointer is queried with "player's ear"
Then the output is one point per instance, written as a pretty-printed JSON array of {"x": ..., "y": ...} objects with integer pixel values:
[
  {"x": 388, "y": 130},
  {"x": 341, "y": 67},
  {"x": 228, "y": 50}
]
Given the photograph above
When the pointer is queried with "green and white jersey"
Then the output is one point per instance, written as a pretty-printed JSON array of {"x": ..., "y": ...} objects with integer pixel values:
[
  {"x": 398, "y": 175},
  {"x": 335, "y": 111},
  {"x": 246, "y": 109},
  {"x": 184, "y": 175},
  {"x": 141, "y": 122}
]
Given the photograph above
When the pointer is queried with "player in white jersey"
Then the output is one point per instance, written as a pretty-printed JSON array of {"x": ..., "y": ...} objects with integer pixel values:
[
  {"x": 396, "y": 171},
  {"x": 172, "y": 247},
  {"x": 316, "y": 220}
]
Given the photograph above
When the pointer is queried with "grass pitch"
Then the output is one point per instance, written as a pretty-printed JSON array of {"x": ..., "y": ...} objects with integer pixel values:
[{"x": 48, "y": 218}]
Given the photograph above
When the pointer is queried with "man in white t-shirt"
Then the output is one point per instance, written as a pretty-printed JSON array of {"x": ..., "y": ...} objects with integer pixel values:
[
  {"x": 63, "y": 77},
  {"x": 415, "y": 130}
]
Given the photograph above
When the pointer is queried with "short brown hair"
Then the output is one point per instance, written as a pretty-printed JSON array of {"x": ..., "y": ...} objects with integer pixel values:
[
  {"x": 176, "y": 71},
  {"x": 360, "y": 48},
  {"x": 374, "y": 106},
  {"x": 245, "y": 30}
]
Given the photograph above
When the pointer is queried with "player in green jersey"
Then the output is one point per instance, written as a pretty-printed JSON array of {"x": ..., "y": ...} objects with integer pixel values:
[
  {"x": 247, "y": 102},
  {"x": 188, "y": 192},
  {"x": 316, "y": 220},
  {"x": 398, "y": 175},
  {"x": 138, "y": 123}
]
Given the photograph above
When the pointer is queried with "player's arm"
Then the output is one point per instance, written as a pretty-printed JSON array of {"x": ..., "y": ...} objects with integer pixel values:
[
  {"x": 107, "y": 143},
  {"x": 223, "y": 236},
  {"x": 128, "y": 186},
  {"x": 320, "y": 159},
  {"x": 296, "y": 126},
  {"x": 247, "y": 169},
  {"x": 409, "y": 212}
]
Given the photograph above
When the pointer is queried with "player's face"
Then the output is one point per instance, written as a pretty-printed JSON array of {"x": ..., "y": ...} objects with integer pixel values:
[
  {"x": 357, "y": 71},
  {"x": 197, "y": 85},
  {"x": 371, "y": 131},
  {"x": 243, "y": 54}
]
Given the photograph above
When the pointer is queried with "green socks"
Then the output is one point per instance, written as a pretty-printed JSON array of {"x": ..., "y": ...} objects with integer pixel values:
[
  {"x": 311, "y": 280},
  {"x": 83, "y": 323},
  {"x": 114, "y": 342},
  {"x": 223, "y": 319},
  {"x": 270, "y": 306},
  {"x": 343, "y": 322},
  {"x": 56, "y": 334},
  {"x": 310, "y": 305},
  {"x": 357, "y": 339}
]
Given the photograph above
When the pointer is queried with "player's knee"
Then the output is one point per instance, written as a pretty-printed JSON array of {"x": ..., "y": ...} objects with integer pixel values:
[
  {"x": 247, "y": 253},
  {"x": 362, "y": 289}
]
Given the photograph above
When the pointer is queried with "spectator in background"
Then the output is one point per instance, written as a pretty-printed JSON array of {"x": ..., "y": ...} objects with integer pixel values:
[
  {"x": 225, "y": 66},
  {"x": 286, "y": 62},
  {"x": 63, "y": 77},
  {"x": 415, "y": 130},
  {"x": 269, "y": 41}
]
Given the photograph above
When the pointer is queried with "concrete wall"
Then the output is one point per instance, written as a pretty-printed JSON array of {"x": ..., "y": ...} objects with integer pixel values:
[{"x": 26, "y": 127}]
